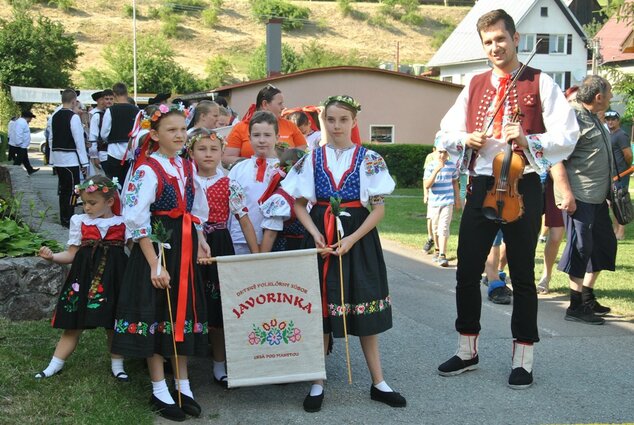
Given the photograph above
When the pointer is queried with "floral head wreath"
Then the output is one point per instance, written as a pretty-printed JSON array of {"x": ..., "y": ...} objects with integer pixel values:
[
  {"x": 342, "y": 98},
  {"x": 90, "y": 186},
  {"x": 162, "y": 109},
  {"x": 209, "y": 134}
]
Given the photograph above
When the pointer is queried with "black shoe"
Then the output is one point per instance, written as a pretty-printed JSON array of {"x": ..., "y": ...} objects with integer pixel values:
[
  {"x": 222, "y": 382},
  {"x": 583, "y": 314},
  {"x": 33, "y": 171},
  {"x": 188, "y": 404},
  {"x": 501, "y": 295},
  {"x": 598, "y": 309},
  {"x": 121, "y": 377},
  {"x": 312, "y": 403},
  {"x": 455, "y": 366},
  {"x": 428, "y": 246},
  {"x": 520, "y": 379},
  {"x": 390, "y": 398},
  {"x": 168, "y": 411}
]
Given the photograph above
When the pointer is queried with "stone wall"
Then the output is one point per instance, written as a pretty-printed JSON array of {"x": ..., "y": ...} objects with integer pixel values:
[{"x": 29, "y": 287}]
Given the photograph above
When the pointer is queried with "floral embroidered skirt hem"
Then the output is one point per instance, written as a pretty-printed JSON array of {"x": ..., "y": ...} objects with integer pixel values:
[
  {"x": 220, "y": 243},
  {"x": 366, "y": 294},
  {"x": 89, "y": 295},
  {"x": 142, "y": 325}
]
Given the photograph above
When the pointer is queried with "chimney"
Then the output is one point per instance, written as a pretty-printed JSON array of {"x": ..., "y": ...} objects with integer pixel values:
[{"x": 274, "y": 47}]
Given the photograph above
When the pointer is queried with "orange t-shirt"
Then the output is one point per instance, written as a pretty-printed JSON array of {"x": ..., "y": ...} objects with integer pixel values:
[{"x": 239, "y": 136}]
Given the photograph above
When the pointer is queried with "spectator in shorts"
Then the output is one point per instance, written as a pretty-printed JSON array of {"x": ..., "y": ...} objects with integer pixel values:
[
  {"x": 622, "y": 151},
  {"x": 441, "y": 179},
  {"x": 429, "y": 244}
]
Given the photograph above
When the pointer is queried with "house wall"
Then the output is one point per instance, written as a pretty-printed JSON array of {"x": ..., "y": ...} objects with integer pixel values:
[{"x": 413, "y": 106}]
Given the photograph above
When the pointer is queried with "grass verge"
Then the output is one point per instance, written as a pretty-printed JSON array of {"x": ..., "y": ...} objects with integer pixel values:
[{"x": 405, "y": 223}]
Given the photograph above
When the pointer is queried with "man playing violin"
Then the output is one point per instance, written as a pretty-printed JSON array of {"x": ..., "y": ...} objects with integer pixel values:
[{"x": 545, "y": 135}]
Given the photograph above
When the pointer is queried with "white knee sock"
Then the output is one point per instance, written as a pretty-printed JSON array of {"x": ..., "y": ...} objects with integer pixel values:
[
  {"x": 160, "y": 391},
  {"x": 220, "y": 370},
  {"x": 183, "y": 384},
  {"x": 316, "y": 390},
  {"x": 53, "y": 367},
  {"x": 383, "y": 386},
  {"x": 117, "y": 366},
  {"x": 523, "y": 355},
  {"x": 467, "y": 346}
]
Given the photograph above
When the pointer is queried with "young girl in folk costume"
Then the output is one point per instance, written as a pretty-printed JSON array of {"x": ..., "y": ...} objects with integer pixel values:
[
  {"x": 255, "y": 174},
  {"x": 89, "y": 296},
  {"x": 359, "y": 177},
  {"x": 217, "y": 198},
  {"x": 307, "y": 120},
  {"x": 281, "y": 229},
  {"x": 162, "y": 301},
  {"x": 206, "y": 114}
]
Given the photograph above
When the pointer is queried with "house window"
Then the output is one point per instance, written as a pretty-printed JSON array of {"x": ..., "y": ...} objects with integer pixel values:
[
  {"x": 527, "y": 42},
  {"x": 557, "y": 43},
  {"x": 382, "y": 133},
  {"x": 448, "y": 79},
  {"x": 544, "y": 11},
  {"x": 543, "y": 40},
  {"x": 562, "y": 79}
]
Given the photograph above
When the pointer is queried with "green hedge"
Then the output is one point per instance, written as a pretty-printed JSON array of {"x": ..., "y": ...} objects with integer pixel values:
[{"x": 405, "y": 162}]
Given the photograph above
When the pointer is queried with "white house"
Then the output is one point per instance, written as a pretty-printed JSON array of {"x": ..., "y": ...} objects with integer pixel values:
[{"x": 562, "y": 54}]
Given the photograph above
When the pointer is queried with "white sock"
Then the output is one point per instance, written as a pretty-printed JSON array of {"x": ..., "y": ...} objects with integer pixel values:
[
  {"x": 523, "y": 356},
  {"x": 220, "y": 370},
  {"x": 53, "y": 367},
  {"x": 383, "y": 386},
  {"x": 467, "y": 346},
  {"x": 160, "y": 391},
  {"x": 117, "y": 366},
  {"x": 183, "y": 385},
  {"x": 316, "y": 390}
]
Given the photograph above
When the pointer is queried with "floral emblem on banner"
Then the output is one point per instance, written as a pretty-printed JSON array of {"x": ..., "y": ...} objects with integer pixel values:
[{"x": 275, "y": 333}]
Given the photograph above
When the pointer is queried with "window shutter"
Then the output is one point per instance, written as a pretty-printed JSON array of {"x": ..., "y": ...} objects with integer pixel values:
[
  {"x": 566, "y": 80},
  {"x": 543, "y": 47},
  {"x": 569, "y": 48}
]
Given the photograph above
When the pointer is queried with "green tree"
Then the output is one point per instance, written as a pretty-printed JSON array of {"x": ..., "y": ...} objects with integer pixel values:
[
  {"x": 157, "y": 71},
  {"x": 218, "y": 71},
  {"x": 257, "y": 65},
  {"x": 35, "y": 52}
]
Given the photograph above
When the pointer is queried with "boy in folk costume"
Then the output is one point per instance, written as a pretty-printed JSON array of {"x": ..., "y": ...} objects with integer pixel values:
[
  {"x": 546, "y": 135},
  {"x": 98, "y": 147}
]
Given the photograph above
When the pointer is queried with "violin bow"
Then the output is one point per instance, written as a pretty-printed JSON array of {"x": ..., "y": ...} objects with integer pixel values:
[{"x": 518, "y": 74}]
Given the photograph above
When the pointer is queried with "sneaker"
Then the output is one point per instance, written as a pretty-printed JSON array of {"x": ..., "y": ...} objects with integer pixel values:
[
  {"x": 597, "y": 308},
  {"x": 442, "y": 261},
  {"x": 455, "y": 366},
  {"x": 583, "y": 314},
  {"x": 542, "y": 286},
  {"x": 434, "y": 258},
  {"x": 428, "y": 245},
  {"x": 520, "y": 379},
  {"x": 500, "y": 295}
]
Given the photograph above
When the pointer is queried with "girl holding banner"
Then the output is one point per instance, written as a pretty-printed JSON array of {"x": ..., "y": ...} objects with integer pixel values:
[
  {"x": 162, "y": 311},
  {"x": 351, "y": 177}
]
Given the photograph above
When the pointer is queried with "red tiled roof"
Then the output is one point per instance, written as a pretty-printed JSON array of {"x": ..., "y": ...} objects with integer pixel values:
[{"x": 612, "y": 36}]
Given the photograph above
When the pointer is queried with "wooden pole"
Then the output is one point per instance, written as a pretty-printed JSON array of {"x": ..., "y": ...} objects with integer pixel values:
[
  {"x": 343, "y": 307},
  {"x": 169, "y": 307}
]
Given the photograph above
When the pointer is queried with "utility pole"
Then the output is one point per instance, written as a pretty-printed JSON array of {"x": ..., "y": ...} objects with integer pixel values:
[
  {"x": 595, "y": 44},
  {"x": 398, "y": 56},
  {"x": 134, "y": 47}
]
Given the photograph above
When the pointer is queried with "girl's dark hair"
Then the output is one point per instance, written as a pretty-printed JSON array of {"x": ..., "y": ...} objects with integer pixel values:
[
  {"x": 298, "y": 118},
  {"x": 264, "y": 117},
  {"x": 267, "y": 93},
  {"x": 203, "y": 107},
  {"x": 343, "y": 105},
  {"x": 98, "y": 179}
]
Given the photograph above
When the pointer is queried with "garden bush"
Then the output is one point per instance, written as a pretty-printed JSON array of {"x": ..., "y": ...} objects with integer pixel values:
[
  {"x": 405, "y": 162},
  {"x": 293, "y": 16}
]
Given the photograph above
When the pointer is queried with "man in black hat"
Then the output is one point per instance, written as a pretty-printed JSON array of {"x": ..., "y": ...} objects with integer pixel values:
[
  {"x": 22, "y": 136},
  {"x": 98, "y": 147},
  {"x": 622, "y": 151},
  {"x": 68, "y": 153},
  {"x": 159, "y": 98},
  {"x": 115, "y": 129}
]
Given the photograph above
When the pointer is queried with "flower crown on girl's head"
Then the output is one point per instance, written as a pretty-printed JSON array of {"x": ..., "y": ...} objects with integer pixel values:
[
  {"x": 90, "y": 186},
  {"x": 342, "y": 98},
  {"x": 203, "y": 134},
  {"x": 162, "y": 109}
]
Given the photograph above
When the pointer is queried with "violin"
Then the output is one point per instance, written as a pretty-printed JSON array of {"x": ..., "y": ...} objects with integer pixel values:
[{"x": 503, "y": 203}]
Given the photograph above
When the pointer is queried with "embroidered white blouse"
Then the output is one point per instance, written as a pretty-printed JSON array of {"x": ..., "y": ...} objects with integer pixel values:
[
  {"x": 544, "y": 150},
  {"x": 237, "y": 197}
]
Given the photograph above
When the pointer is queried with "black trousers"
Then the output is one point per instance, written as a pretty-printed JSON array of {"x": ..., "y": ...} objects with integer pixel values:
[
  {"x": 113, "y": 168},
  {"x": 67, "y": 177},
  {"x": 22, "y": 158},
  {"x": 476, "y": 237},
  {"x": 13, "y": 150}
]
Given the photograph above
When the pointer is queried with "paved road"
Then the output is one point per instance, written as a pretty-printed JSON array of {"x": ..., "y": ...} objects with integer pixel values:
[{"x": 583, "y": 374}]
